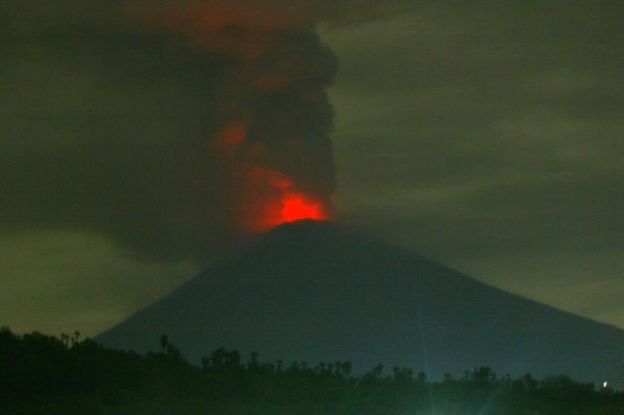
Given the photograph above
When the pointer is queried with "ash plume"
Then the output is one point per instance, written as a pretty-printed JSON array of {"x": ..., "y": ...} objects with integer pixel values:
[{"x": 173, "y": 129}]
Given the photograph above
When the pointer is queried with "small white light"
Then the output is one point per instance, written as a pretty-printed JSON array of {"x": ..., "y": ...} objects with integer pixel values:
[{"x": 605, "y": 384}]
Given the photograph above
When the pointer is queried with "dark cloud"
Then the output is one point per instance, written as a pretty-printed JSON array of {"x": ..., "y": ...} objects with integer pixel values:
[
  {"x": 488, "y": 135},
  {"x": 145, "y": 122}
]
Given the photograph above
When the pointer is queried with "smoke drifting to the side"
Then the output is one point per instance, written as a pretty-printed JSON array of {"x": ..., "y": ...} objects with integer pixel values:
[{"x": 173, "y": 129}]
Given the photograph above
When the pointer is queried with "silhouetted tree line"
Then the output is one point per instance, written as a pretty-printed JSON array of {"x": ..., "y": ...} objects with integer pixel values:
[{"x": 42, "y": 374}]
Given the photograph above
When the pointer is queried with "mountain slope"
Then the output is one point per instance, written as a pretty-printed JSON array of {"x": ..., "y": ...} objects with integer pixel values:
[{"x": 316, "y": 292}]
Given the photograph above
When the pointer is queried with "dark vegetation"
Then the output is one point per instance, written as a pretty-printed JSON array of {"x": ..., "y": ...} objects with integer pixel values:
[{"x": 42, "y": 374}]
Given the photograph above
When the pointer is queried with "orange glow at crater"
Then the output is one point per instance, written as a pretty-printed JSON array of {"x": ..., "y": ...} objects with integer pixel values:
[
  {"x": 265, "y": 197},
  {"x": 275, "y": 200},
  {"x": 289, "y": 206},
  {"x": 296, "y": 207}
]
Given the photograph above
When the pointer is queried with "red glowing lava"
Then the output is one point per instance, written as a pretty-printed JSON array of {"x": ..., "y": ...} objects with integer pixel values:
[
  {"x": 266, "y": 197},
  {"x": 275, "y": 199},
  {"x": 289, "y": 206},
  {"x": 296, "y": 207}
]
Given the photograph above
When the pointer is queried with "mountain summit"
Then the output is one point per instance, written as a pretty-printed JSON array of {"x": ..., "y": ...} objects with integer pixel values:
[{"x": 315, "y": 291}]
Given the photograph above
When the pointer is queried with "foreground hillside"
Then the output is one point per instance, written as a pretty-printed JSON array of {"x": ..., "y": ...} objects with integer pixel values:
[{"x": 43, "y": 375}]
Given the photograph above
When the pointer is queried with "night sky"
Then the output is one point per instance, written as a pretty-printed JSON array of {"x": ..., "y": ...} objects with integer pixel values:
[{"x": 139, "y": 143}]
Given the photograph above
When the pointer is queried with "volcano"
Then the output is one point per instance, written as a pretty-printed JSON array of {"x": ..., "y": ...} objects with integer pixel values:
[{"x": 314, "y": 291}]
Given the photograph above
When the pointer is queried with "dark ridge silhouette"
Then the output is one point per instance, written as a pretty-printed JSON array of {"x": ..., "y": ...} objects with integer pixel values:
[
  {"x": 318, "y": 292},
  {"x": 45, "y": 375}
]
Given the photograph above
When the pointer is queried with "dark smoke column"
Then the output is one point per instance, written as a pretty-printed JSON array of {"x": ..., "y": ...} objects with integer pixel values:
[
  {"x": 273, "y": 148},
  {"x": 172, "y": 128}
]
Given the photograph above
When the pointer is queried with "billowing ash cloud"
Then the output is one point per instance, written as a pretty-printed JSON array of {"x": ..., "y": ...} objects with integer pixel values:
[{"x": 172, "y": 129}]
